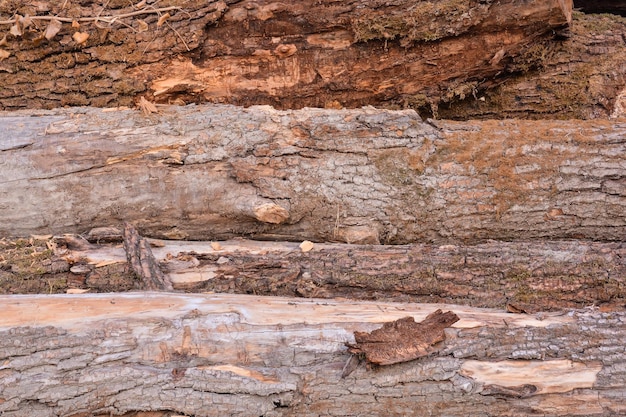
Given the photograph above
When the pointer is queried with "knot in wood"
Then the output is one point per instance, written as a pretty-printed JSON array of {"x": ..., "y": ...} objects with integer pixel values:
[{"x": 285, "y": 50}]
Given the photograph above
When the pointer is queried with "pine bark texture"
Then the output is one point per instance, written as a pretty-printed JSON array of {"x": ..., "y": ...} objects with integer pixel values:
[
  {"x": 216, "y": 355},
  {"x": 356, "y": 176},
  {"x": 293, "y": 54}
]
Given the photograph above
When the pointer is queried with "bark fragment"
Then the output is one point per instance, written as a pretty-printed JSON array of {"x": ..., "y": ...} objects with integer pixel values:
[
  {"x": 141, "y": 259},
  {"x": 403, "y": 340}
]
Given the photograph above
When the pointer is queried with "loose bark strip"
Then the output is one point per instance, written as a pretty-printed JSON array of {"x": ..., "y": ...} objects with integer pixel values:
[
  {"x": 216, "y": 355},
  {"x": 142, "y": 261},
  {"x": 357, "y": 176},
  {"x": 403, "y": 340}
]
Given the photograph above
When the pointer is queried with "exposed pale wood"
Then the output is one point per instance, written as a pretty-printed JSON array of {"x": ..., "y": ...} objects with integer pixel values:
[
  {"x": 215, "y": 355},
  {"x": 547, "y": 377},
  {"x": 360, "y": 176}
]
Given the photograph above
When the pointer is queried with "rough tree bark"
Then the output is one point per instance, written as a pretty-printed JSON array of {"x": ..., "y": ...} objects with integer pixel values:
[
  {"x": 216, "y": 355},
  {"x": 305, "y": 53},
  {"x": 529, "y": 276},
  {"x": 357, "y": 176},
  {"x": 572, "y": 79}
]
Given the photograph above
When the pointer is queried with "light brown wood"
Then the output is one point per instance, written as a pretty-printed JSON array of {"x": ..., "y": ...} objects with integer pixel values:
[
  {"x": 357, "y": 176},
  {"x": 219, "y": 354}
]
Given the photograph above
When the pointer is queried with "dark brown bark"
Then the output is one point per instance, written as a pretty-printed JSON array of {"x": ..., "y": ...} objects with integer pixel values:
[
  {"x": 291, "y": 54},
  {"x": 357, "y": 176},
  {"x": 224, "y": 355}
]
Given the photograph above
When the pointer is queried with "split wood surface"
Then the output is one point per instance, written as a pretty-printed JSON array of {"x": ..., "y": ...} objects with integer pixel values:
[
  {"x": 216, "y": 355},
  {"x": 357, "y": 176}
]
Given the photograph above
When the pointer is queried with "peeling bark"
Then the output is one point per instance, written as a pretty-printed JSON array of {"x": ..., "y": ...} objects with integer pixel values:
[
  {"x": 216, "y": 355},
  {"x": 142, "y": 261},
  {"x": 357, "y": 176}
]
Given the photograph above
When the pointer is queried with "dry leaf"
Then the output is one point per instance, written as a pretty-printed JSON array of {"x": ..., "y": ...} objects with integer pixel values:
[
  {"x": 80, "y": 37},
  {"x": 3, "y": 41},
  {"x": 143, "y": 26},
  {"x": 162, "y": 19},
  {"x": 306, "y": 246},
  {"x": 216, "y": 246},
  {"x": 4, "y": 54},
  {"x": 147, "y": 107},
  {"x": 15, "y": 30},
  {"x": 52, "y": 29}
]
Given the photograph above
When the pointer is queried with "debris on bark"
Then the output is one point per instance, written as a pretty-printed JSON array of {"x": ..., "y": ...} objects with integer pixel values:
[{"x": 403, "y": 340}]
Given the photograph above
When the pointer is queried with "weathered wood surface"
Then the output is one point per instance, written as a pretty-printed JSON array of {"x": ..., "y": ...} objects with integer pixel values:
[
  {"x": 533, "y": 276},
  {"x": 216, "y": 355},
  {"x": 357, "y": 176},
  {"x": 288, "y": 54}
]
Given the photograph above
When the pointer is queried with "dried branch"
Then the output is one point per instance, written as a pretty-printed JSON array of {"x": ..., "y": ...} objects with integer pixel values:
[{"x": 107, "y": 19}]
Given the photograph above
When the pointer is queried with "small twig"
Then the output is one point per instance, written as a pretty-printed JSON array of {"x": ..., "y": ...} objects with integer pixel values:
[{"x": 107, "y": 19}]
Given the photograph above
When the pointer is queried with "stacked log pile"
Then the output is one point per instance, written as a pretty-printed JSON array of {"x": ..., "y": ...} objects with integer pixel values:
[{"x": 393, "y": 263}]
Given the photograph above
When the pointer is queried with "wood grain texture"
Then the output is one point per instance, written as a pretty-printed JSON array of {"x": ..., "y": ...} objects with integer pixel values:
[
  {"x": 215, "y": 355},
  {"x": 357, "y": 176}
]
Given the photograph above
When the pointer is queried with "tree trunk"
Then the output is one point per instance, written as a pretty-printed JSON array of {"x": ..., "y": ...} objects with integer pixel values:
[
  {"x": 527, "y": 276},
  {"x": 356, "y": 176},
  {"x": 216, "y": 355}
]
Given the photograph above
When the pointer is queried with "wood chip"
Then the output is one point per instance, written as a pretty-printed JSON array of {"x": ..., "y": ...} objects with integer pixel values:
[
  {"x": 76, "y": 291},
  {"x": 306, "y": 246},
  {"x": 80, "y": 37}
]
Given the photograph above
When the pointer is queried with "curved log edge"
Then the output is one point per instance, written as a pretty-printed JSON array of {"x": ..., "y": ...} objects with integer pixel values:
[
  {"x": 357, "y": 176},
  {"x": 210, "y": 355}
]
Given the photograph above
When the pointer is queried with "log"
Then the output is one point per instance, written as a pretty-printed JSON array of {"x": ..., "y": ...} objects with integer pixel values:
[
  {"x": 529, "y": 276},
  {"x": 216, "y": 355},
  {"x": 262, "y": 52},
  {"x": 356, "y": 176},
  {"x": 289, "y": 54}
]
